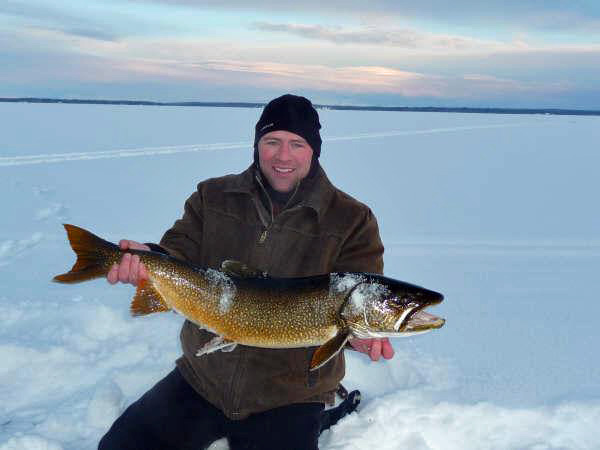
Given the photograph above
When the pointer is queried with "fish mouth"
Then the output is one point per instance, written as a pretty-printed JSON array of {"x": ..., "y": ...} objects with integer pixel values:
[
  {"x": 415, "y": 319},
  {"x": 415, "y": 322},
  {"x": 419, "y": 321}
]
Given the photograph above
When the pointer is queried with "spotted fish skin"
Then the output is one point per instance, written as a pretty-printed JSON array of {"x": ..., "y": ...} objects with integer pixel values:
[
  {"x": 259, "y": 312},
  {"x": 242, "y": 306}
]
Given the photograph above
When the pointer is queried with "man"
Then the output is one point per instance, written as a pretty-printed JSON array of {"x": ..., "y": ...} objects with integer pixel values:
[{"x": 281, "y": 216}]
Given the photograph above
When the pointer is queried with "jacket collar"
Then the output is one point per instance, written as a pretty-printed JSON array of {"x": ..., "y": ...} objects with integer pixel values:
[{"x": 314, "y": 193}]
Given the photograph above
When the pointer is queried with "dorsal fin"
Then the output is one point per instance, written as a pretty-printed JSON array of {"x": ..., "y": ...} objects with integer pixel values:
[{"x": 240, "y": 270}]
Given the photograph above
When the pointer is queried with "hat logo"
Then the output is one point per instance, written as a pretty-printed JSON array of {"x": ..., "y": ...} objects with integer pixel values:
[{"x": 267, "y": 126}]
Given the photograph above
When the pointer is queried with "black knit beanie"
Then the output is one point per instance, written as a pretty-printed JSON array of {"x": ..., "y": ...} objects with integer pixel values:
[{"x": 294, "y": 114}]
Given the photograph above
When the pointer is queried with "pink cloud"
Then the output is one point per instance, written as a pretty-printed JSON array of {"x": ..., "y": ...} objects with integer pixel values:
[{"x": 222, "y": 63}]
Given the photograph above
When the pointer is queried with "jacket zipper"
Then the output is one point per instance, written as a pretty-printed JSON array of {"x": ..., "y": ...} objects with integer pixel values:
[
  {"x": 263, "y": 236},
  {"x": 265, "y": 233}
]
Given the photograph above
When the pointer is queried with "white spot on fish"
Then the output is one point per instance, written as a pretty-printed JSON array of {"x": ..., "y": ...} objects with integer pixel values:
[
  {"x": 226, "y": 299},
  {"x": 366, "y": 294},
  {"x": 222, "y": 282},
  {"x": 342, "y": 283}
]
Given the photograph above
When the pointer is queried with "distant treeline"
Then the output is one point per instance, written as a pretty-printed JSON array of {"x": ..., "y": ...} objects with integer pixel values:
[{"x": 571, "y": 112}]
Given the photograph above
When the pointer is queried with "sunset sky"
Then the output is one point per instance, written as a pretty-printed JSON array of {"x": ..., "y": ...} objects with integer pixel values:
[{"x": 392, "y": 53}]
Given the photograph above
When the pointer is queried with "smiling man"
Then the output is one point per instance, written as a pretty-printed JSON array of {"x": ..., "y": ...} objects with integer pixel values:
[
  {"x": 285, "y": 159},
  {"x": 281, "y": 216}
]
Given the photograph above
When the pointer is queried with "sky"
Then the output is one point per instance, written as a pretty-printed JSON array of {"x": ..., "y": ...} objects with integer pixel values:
[{"x": 525, "y": 54}]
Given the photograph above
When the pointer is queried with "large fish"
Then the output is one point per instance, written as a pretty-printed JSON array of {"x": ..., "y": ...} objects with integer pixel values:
[{"x": 243, "y": 306}]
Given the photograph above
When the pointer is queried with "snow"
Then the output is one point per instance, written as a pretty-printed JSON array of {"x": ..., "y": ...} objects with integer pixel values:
[
  {"x": 499, "y": 213},
  {"x": 365, "y": 297},
  {"x": 221, "y": 282},
  {"x": 344, "y": 282}
]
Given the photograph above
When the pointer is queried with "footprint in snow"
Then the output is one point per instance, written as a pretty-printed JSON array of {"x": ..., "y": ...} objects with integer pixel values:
[{"x": 11, "y": 249}]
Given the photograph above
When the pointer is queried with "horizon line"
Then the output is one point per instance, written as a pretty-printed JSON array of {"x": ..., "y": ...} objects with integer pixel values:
[{"x": 450, "y": 109}]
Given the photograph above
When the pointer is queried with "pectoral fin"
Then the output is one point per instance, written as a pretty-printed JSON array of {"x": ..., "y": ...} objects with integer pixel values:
[
  {"x": 328, "y": 350},
  {"x": 216, "y": 343},
  {"x": 147, "y": 300},
  {"x": 240, "y": 270}
]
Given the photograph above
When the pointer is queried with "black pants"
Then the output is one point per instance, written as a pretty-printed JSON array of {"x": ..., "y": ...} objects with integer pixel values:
[{"x": 172, "y": 415}]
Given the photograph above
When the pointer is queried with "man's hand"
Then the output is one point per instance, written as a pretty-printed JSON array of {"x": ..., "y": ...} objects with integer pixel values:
[
  {"x": 130, "y": 269},
  {"x": 375, "y": 348}
]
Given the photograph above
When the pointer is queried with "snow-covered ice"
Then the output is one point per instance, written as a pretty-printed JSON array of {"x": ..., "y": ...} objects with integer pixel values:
[{"x": 499, "y": 213}]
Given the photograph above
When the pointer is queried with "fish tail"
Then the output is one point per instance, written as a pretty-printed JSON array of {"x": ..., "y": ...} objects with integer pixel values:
[{"x": 95, "y": 256}]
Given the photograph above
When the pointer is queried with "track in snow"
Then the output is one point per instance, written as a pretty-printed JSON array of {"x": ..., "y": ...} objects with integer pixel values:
[{"x": 167, "y": 150}]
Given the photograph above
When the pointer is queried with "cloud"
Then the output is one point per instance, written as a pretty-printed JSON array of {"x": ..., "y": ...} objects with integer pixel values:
[
  {"x": 341, "y": 79},
  {"x": 92, "y": 33},
  {"x": 577, "y": 16},
  {"x": 52, "y": 18},
  {"x": 183, "y": 61},
  {"x": 35, "y": 11},
  {"x": 369, "y": 35},
  {"x": 351, "y": 78},
  {"x": 501, "y": 86},
  {"x": 577, "y": 21},
  {"x": 364, "y": 64}
]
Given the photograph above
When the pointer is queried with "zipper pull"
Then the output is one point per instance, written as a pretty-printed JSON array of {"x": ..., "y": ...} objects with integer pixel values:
[{"x": 263, "y": 237}]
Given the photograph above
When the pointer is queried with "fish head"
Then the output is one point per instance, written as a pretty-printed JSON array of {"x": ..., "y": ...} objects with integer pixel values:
[{"x": 380, "y": 307}]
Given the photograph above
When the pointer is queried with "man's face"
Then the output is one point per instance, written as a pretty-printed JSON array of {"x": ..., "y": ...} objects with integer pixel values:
[{"x": 284, "y": 159}]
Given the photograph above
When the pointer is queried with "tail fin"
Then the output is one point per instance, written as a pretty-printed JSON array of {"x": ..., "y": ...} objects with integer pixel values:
[{"x": 94, "y": 256}]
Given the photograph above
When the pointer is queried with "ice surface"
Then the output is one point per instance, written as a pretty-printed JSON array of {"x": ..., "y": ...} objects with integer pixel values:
[
  {"x": 29, "y": 442},
  {"x": 499, "y": 213}
]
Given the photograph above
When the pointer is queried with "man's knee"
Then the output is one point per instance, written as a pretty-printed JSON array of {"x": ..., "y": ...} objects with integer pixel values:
[
  {"x": 134, "y": 428},
  {"x": 170, "y": 415},
  {"x": 126, "y": 433}
]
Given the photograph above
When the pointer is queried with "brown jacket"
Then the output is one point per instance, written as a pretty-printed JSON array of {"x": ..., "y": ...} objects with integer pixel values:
[{"x": 322, "y": 230}]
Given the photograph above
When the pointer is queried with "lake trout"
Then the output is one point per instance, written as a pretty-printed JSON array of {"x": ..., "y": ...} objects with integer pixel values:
[{"x": 244, "y": 306}]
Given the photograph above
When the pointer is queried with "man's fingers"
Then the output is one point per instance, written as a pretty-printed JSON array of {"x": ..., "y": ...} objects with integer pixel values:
[
  {"x": 375, "y": 348},
  {"x": 386, "y": 349},
  {"x": 133, "y": 269},
  {"x": 113, "y": 274},
  {"x": 143, "y": 273},
  {"x": 360, "y": 345},
  {"x": 124, "y": 268},
  {"x": 375, "y": 352},
  {"x": 129, "y": 270},
  {"x": 126, "y": 244}
]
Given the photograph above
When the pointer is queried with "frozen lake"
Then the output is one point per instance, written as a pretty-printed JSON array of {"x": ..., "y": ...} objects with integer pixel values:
[{"x": 498, "y": 212}]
